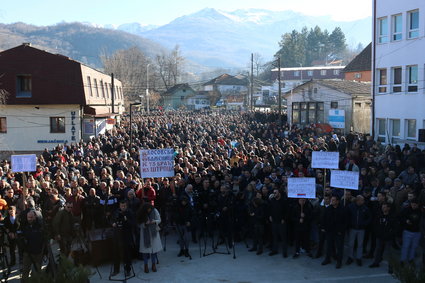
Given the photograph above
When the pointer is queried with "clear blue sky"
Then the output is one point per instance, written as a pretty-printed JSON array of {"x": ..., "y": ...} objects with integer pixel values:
[{"x": 159, "y": 12}]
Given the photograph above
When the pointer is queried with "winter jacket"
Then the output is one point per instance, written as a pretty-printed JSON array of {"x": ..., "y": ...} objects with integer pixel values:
[
  {"x": 385, "y": 227},
  {"x": 359, "y": 216},
  {"x": 335, "y": 219}
]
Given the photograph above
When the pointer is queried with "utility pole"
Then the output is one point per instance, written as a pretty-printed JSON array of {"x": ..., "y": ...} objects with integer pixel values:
[
  {"x": 252, "y": 81},
  {"x": 279, "y": 91},
  {"x": 113, "y": 93},
  {"x": 147, "y": 88}
]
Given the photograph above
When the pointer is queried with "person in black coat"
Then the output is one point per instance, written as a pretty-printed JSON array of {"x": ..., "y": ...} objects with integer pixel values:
[
  {"x": 321, "y": 225},
  {"x": 385, "y": 227},
  {"x": 258, "y": 216},
  {"x": 184, "y": 219},
  {"x": 302, "y": 214},
  {"x": 11, "y": 225},
  {"x": 278, "y": 216},
  {"x": 335, "y": 226}
]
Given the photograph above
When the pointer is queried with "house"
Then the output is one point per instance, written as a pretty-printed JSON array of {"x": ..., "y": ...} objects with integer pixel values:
[
  {"x": 360, "y": 68},
  {"x": 178, "y": 96},
  {"x": 228, "y": 85},
  {"x": 399, "y": 61},
  {"x": 293, "y": 77},
  {"x": 345, "y": 105},
  {"x": 200, "y": 101},
  {"x": 53, "y": 100}
]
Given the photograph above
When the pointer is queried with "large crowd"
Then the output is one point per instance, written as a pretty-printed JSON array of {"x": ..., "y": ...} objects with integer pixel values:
[{"x": 230, "y": 185}]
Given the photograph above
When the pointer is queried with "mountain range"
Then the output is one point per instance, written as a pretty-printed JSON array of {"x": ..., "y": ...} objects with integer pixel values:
[
  {"x": 226, "y": 39},
  {"x": 211, "y": 38}
]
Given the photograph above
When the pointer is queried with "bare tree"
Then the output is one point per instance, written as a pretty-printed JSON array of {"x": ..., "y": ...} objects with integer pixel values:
[
  {"x": 130, "y": 67},
  {"x": 258, "y": 63},
  {"x": 170, "y": 67}
]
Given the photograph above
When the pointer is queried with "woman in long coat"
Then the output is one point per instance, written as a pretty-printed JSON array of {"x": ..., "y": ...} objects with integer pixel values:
[{"x": 150, "y": 240}]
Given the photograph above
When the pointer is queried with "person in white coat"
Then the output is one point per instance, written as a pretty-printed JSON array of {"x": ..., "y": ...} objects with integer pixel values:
[{"x": 150, "y": 240}]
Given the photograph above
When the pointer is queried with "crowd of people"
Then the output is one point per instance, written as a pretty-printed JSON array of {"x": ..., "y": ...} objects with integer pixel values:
[{"x": 230, "y": 185}]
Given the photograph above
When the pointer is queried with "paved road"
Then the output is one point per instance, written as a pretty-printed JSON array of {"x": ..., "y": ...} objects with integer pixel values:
[{"x": 246, "y": 268}]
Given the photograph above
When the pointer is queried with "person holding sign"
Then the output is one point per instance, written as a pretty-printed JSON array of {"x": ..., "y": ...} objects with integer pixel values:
[
  {"x": 301, "y": 215},
  {"x": 335, "y": 226},
  {"x": 359, "y": 219}
]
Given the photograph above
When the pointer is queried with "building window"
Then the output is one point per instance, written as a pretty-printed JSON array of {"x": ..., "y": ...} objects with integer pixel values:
[
  {"x": 397, "y": 79},
  {"x": 358, "y": 105},
  {"x": 336, "y": 72},
  {"x": 382, "y": 83},
  {"x": 181, "y": 98},
  {"x": 89, "y": 85},
  {"x": 334, "y": 104},
  {"x": 412, "y": 78},
  {"x": 397, "y": 27},
  {"x": 23, "y": 86},
  {"x": 303, "y": 116},
  {"x": 381, "y": 129},
  {"x": 296, "y": 73},
  {"x": 411, "y": 128},
  {"x": 106, "y": 90},
  {"x": 357, "y": 75},
  {"x": 3, "y": 125},
  {"x": 315, "y": 90},
  {"x": 320, "y": 112},
  {"x": 395, "y": 127},
  {"x": 295, "y": 113},
  {"x": 96, "y": 87},
  {"x": 57, "y": 124},
  {"x": 323, "y": 72},
  {"x": 310, "y": 73},
  {"x": 103, "y": 90},
  {"x": 312, "y": 112},
  {"x": 382, "y": 30},
  {"x": 413, "y": 24}
]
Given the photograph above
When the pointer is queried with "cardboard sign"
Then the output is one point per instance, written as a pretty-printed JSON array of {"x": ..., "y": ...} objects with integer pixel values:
[
  {"x": 301, "y": 188},
  {"x": 24, "y": 163},
  {"x": 345, "y": 179},
  {"x": 156, "y": 163},
  {"x": 325, "y": 160}
]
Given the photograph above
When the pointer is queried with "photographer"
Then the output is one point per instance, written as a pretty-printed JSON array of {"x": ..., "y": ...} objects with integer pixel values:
[
  {"x": 32, "y": 239},
  {"x": 63, "y": 228},
  {"x": 184, "y": 216},
  {"x": 123, "y": 224}
]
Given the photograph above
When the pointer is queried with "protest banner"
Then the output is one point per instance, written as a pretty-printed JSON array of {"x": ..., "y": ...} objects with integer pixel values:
[
  {"x": 325, "y": 160},
  {"x": 345, "y": 179},
  {"x": 156, "y": 163},
  {"x": 301, "y": 188},
  {"x": 23, "y": 163}
]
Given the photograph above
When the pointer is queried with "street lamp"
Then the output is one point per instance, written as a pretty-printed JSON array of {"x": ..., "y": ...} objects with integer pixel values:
[
  {"x": 131, "y": 121},
  {"x": 147, "y": 88}
]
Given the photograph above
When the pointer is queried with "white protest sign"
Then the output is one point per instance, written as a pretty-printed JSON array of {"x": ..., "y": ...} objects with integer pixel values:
[
  {"x": 301, "y": 188},
  {"x": 325, "y": 160},
  {"x": 345, "y": 179},
  {"x": 156, "y": 163},
  {"x": 24, "y": 163}
]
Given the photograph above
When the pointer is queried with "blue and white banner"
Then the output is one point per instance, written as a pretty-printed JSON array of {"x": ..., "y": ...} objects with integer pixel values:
[{"x": 336, "y": 118}]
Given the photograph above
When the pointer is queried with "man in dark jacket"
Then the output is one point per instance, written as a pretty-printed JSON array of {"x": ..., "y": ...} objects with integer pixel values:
[
  {"x": 385, "y": 230},
  {"x": 301, "y": 215},
  {"x": 321, "y": 225},
  {"x": 257, "y": 213},
  {"x": 335, "y": 225},
  {"x": 11, "y": 224},
  {"x": 33, "y": 241},
  {"x": 359, "y": 218},
  {"x": 410, "y": 221},
  {"x": 63, "y": 228},
  {"x": 278, "y": 217}
]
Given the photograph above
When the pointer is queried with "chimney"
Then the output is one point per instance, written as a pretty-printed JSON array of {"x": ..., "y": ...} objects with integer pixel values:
[{"x": 26, "y": 44}]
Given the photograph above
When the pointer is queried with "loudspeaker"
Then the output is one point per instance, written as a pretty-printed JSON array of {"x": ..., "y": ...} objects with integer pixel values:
[{"x": 421, "y": 135}]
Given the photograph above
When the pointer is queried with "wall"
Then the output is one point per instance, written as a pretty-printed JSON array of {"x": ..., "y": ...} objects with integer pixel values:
[
  {"x": 365, "y": 76},
  {"x": 401, "y": 53},
  {"x": 28, "y": 128},
  {"x": 362, "y": 113},
  {"x": 325, "y": 95}
]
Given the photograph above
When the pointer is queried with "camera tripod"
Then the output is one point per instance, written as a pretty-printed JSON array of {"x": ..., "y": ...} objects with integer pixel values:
[
  {"x": 209, "y": 232},
  {"x": 4, "y": 263}
]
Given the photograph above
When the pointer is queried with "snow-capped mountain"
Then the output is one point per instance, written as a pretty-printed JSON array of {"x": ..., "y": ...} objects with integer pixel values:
[{"x": 219, "y": 38}]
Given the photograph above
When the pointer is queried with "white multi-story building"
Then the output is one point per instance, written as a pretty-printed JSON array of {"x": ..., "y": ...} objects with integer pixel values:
[{"x": 399, "y": 77}]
